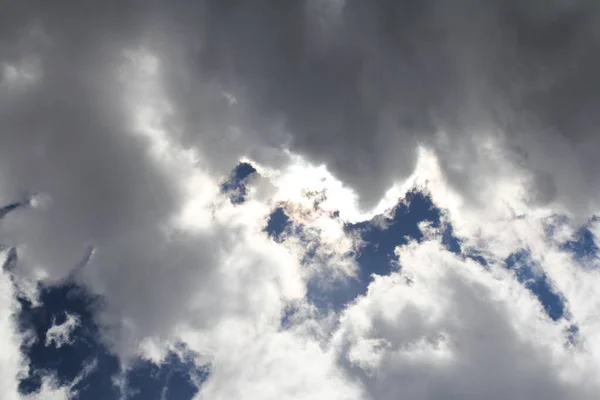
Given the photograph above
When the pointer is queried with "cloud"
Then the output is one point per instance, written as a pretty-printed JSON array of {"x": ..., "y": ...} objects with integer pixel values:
[
  {"x": 125, "y": 118},
  {"x": 82, "y": 135},
  {"x": 59, "y": 334},
  {"x": 13, "y": 364},
  {"x": 49, "y": 391},
  {"x": 447, "y": 327},
  {"x": 10, "y": 360},
  {"x": 374, "y": 81},
  {"x": 276, "y": 364},
  {"x": 391, "y": 76}
]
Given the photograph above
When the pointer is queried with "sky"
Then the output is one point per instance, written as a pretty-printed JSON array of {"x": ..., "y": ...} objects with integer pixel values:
[{"x": 317, "y": 199}]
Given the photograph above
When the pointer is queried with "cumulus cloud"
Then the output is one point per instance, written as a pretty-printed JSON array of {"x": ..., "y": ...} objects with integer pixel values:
[
  {"x": 278, "y": 364},
  {"x": 443, "y": 326},
  {"x": 447, "y": 327}
]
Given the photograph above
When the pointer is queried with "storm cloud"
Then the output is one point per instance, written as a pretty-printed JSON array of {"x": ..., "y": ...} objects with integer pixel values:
[
  {"x": 355, "y": 85},
  {"x": 359, "y": 85}
]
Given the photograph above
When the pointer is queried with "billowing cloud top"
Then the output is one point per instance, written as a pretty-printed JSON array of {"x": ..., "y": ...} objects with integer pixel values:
[{"x": 302, "y": 274}]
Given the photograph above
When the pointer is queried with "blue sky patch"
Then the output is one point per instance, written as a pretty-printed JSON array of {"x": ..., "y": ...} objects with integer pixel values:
[
  {"x": 583, "y": 245},
  {"x": 67, "y": 362},
  {"x": 572, "y": 335},
  {"x": 235, "y": 186},
  {"x": 175, "y": 379},
  {"x": 381, "y": 237},
  {"x": 530, "y": 274},
  {"x": 277, "y": 224}
]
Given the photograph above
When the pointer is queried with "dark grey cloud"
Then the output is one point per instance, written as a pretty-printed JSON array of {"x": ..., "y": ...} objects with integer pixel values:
[
  {"x": 69, "y": 135},
  {"x": 360, "y": 86},
  {"x": 354, "y": 84}
]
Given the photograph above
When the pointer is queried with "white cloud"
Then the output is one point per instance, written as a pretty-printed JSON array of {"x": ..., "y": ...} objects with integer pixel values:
[
  {"x": 445, "y": 326},
  {"x": 60, "y": 335},
  {"x": 50, "y": 391},
  {"x": 275, "y": 365},
  {"x": 11, "y": 361}
]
